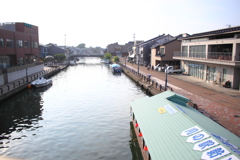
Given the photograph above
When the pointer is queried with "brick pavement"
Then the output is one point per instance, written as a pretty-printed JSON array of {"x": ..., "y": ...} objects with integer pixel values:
[{"x": 220, "y": 104}]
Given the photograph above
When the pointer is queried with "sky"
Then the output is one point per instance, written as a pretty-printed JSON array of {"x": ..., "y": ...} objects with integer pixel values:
[{"x": 98, "y": 23}]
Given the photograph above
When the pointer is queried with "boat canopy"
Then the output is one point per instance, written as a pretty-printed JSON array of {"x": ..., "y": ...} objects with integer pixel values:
[{"x": 115, "y": 65}]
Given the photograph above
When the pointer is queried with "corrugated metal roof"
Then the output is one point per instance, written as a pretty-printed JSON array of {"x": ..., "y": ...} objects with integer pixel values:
[{"x": 162, "y": 132}]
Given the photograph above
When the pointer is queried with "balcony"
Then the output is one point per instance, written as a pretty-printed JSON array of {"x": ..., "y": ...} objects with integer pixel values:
[
  {"x": 218, "y": 56},
  {"x": 160, "y": 54},
  {"x": 222, "y": 56}
]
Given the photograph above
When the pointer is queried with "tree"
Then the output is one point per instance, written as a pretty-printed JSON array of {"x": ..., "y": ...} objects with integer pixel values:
[
  {"x": 82, "y": 45},
  {"x": 60, "y": 57},
  {"x": 115, "y": 59},
  {"x": 107, "y": 56}
]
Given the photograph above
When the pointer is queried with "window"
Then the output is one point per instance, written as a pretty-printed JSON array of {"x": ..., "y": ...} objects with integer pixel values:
[
  {"x": 162, "y": 50},
  {"x": 117, "y": 49},
  {"x": 20, "y": 43},
  {"x": 34, "y": 45},
  {"x": 9, "y": 42},
  {"x": 211, "y": 73},
  {"x": 196, "y": 70},
  {"x": 184, "y": 51},
  {"x": 45, "y": 50},
  {"x": 26, "y": 44},
  {"x": 1, "y": 42},
  {"x": 198, "y": 51},
  {"x": 224, "y": 78}
]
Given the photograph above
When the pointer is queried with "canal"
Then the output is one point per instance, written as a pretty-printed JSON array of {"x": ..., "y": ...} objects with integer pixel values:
[{"x": 83, "y": 115}]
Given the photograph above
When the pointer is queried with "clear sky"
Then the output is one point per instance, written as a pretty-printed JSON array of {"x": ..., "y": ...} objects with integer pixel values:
[{"x": 102, "y": 22}]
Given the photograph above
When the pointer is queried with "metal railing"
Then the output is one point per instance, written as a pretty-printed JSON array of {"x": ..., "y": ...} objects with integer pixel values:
[
  {"x": 218, "y": 56},
  {"x": 226, "y": 56},
  {"x": 146, "y": 79}
]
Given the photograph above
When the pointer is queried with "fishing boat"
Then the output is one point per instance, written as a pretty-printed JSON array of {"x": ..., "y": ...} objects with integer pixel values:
[{"x": 41, "y": 82}]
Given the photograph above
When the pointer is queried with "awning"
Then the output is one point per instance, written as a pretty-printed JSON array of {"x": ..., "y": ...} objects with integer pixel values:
[{"x": 132, "y": 56}]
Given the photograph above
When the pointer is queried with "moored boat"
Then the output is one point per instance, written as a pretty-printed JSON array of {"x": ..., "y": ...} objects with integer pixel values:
[
  {"x": 41, "y": 82},
  {"x": 72, "y": 62},
  {"x": 115, "y": 68},
  {"x": 104, "y": 60}
]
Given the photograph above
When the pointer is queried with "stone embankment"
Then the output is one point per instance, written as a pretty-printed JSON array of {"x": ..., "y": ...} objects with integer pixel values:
[
  {"x": 145, "y": 82},
  {"x": 18, "y": 85},
  {"x": 150, "y": 86}
]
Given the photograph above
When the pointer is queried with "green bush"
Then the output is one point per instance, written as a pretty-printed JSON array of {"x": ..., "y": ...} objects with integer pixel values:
[
  {"x": 60, "y": 57},
  {"x": 116, "y": 59}
]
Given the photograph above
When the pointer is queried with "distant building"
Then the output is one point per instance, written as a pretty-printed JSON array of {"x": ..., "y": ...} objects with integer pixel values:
[
  {"x": 53, "y": 49},
  {"x": 119, "y": 50},
  {"x": 20, "y": 42},
  {"x": 43, "y": 49},
  {"x": 212, "y": 56},
  {"x": 132, "y": 51}
]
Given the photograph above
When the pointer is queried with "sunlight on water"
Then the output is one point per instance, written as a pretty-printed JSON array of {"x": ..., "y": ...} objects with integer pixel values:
[{"x": 89, "y": 60}]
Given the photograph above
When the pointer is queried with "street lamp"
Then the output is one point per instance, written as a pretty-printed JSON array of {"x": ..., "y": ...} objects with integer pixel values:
[
  {"x": 125, "y": 60},
  {"x": 138, "y": 66},
  {"x": 166, "y": 77}
]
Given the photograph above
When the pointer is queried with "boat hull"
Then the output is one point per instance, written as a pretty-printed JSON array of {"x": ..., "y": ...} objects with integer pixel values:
[{"x": 38, "y": 84}]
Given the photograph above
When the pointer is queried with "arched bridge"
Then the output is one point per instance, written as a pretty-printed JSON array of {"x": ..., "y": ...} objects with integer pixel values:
[{"x": 86, "y": 55}]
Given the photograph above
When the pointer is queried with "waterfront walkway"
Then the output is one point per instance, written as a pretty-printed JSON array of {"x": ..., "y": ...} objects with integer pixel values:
[{"x": 219, "y": 103}]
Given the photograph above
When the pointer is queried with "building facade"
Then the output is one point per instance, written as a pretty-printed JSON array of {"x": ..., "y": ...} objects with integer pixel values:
[
  {"x": 119, "y": 50},
  {"x": 19, "y": 41},
  {"x": 212, "y": 56},
  {"x": 43, "y": 49},
  {"x": 54, "y": 49},
  {"x": 143, "y": 50},
  {"x": 162, "y": 53}
]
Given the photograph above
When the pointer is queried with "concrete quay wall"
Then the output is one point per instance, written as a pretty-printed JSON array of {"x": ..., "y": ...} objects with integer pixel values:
[
  {"x": 150, "y": 86},
  {"x": 145, "y": 82},
  {"x": 18, "y": 85}
]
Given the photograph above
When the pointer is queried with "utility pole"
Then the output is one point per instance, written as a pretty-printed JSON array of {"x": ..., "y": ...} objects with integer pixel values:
[
  {"x": 65, "y": 41},
  {"x": 166, "y": 77}
]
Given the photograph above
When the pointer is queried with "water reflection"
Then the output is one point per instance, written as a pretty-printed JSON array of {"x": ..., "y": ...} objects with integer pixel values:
[
  {"x": 21, "y": 112},
  {"x": 85, "y": 115}
]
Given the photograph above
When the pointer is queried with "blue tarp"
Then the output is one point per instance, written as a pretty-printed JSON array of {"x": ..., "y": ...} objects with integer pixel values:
[{"x": 115, "y": 65}]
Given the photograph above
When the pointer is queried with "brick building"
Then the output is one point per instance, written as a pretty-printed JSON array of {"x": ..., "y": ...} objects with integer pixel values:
[{"x": 19, "y": 41}]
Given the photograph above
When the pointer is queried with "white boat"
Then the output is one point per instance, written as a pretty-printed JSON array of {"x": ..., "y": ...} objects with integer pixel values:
[
  {"x": 72, "y": 62},
  {"x": 104, "y": 60},
  {"x": 41, "y": 82}
]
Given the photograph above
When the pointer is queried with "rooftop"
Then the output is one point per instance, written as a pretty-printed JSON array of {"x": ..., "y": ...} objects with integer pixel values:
[
  {"x": 165, "y": 119},
  {"x": 215, "y": 32}
]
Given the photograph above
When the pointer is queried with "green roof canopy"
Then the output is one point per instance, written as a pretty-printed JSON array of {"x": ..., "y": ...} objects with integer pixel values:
[{"x": 173, "y": 130}]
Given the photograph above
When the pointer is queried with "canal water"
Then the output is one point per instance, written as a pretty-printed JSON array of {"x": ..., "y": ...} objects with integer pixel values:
[{"x": 83, "y": 115}]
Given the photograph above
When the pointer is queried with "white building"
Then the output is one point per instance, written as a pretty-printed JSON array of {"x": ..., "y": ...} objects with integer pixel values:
[{"x": 212, "y": 56}]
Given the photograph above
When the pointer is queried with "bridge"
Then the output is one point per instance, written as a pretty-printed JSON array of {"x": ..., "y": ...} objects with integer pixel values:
[{"x": 71, "y": 57}]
